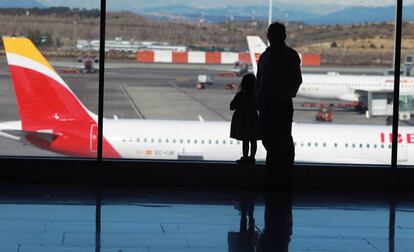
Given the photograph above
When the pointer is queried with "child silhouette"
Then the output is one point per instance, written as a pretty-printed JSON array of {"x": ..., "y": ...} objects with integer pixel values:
[{"x": 245, "y": 120}]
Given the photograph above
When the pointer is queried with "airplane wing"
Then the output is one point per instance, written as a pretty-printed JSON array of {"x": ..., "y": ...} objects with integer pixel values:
[
  {"x": 383, "y": 91},
  {"x": 12, "y": 130},
  {"x": 366, "y": 90},
  {"x": 356, "y": 93},
  {"x": 11, "y": 125}
]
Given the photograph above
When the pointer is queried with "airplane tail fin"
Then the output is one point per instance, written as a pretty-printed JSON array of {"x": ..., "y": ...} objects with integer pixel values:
[
  {"x": 52, "y": 117},
  {"x": 43, "y": 98},
  {"x": 256, "y": 48}
]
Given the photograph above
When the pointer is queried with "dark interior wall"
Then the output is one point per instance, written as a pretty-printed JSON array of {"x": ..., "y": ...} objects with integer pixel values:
[{"x": 200, "y": 174}]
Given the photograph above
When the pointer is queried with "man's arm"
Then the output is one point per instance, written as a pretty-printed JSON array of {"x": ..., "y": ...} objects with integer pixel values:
[{"x": 296, "y": 75}]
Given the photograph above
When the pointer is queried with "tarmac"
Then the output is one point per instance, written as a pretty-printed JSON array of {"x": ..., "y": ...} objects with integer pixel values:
[{"x": 161, "y": 91}]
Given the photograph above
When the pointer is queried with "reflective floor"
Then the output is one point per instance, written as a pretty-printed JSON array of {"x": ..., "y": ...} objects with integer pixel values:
[{"x": 52, "y": 218}]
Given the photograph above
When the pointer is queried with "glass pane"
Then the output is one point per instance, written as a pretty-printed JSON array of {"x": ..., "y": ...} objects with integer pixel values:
[
  {"x": 48, "y": 97},
  {"x": 406, "y": 130},
  {"x": 172, "y": 72},
  {"x": 343, "y": 108}
]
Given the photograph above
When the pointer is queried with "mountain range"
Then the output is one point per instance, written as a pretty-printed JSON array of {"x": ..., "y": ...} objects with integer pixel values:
[
  {"x": 356, "y": 14},
  {"x": 348, "y": 15}
]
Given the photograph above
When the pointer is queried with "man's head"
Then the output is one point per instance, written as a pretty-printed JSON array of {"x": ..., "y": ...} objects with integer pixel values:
[{"x": 276, "y": 33}]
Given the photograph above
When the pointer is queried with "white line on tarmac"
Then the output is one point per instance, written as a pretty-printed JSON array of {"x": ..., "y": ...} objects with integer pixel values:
[{"x": 131, "y": 102}]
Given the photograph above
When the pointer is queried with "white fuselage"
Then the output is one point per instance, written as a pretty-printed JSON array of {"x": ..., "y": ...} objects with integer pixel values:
[
  {"x": 157, "y": 139},
  {"x": 343, "y": 87}
]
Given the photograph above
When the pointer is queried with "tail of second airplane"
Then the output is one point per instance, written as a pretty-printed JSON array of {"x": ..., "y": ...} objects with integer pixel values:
[
  {"x": 52, "y": 117},
  {"x": 256, "y": 48}
]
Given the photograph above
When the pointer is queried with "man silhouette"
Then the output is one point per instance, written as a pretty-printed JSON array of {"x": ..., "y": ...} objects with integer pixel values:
[{"x": 278, "y": 80}]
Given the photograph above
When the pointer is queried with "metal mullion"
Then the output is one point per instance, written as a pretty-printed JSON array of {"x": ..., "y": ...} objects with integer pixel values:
[
  {"x": 101, "y": 77},
  {"x": 397, "y": 69},
  {"x": 391, "y": 223},
  {"x": 98, "y": 219}
]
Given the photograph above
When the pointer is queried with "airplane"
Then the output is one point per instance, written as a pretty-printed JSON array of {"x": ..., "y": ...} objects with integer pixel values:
[
  {"x": 54, "y": 119},
  {"x": 334, "y": 86},
  {"x": 88, "y": 64}
]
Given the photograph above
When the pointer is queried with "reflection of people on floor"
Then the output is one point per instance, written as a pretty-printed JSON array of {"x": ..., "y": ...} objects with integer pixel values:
[
  {"x": 278, "y": 223},
  {"x": 245, "y": 240},
  {"x": 245, "y": 120}
]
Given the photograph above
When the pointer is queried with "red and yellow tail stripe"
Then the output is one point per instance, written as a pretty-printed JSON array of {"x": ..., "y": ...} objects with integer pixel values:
[{"x": 22, "y": 52}]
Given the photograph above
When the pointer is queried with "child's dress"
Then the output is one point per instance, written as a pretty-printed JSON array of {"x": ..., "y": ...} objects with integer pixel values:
[{"x": 245, "y": 120}]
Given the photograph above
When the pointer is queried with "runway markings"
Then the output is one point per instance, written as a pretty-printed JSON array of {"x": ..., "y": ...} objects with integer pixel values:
[
  {"x": 134, "y": 106},
  {"x": 198, "y": 101}
]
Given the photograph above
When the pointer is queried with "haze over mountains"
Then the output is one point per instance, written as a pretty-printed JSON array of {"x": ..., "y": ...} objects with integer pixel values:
[
  {"x": 21, "y": 4},
  {"x": 331, "y": 14}
]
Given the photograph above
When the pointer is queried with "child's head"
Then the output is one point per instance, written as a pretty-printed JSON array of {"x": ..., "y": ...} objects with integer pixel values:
[{"x": 247, "y": 83}]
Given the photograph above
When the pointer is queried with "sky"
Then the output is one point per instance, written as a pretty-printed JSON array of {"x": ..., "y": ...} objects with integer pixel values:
[{"x": 316, "y": 6}]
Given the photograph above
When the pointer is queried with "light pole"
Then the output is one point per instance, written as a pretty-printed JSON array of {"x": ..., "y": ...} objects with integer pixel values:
[
  {"x": 27, "y": 23},
  {"x": 74, "y": 32},
  {"x": 270, "y": 11}
]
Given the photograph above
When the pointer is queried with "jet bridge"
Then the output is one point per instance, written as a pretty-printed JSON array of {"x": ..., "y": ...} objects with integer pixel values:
[{"x": 380, "y": 103}]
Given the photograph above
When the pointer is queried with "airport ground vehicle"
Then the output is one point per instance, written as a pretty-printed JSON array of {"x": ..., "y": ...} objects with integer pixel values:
[
  {"x": 324, "y": 114},
  {"x": 203, "y": 80}
]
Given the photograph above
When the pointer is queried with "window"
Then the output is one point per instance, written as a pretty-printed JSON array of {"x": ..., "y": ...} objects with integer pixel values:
[
  {"x": 51, "y": 37},
  {"x": 134, "y": 97}
]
